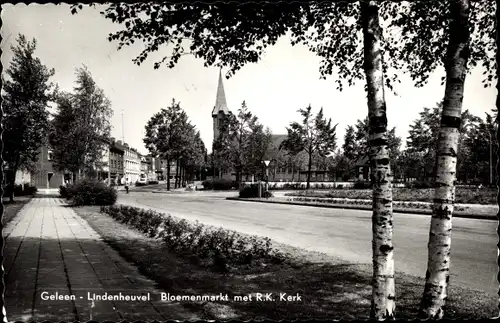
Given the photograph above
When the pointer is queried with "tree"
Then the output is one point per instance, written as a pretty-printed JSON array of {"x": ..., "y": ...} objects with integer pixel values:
[
  {"x": 357, "y": 145},
  {"x": 477, "y": 148},
  {"x": 423, "y": 138},
  {"x": 332, "y": 30},
  {"x": 312, "y": 135},
  {"x": 457, "y": 55},
  {"x": 256, "y": 150},
  {"x": 26, "y": 93},
  {"x": 163, "y": 137},
  {"x": 83, "y": 123},
  {"x": 349, "y": 147},
  {"x": 241, "y": 142},
  {"x": 195, "y": 155}
]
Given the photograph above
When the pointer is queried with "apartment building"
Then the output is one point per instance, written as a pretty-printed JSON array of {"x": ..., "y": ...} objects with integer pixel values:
[{"x": 132, "y": 163}]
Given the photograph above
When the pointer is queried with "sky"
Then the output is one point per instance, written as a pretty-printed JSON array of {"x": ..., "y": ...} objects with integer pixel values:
[{"x": 285, "y": 79}]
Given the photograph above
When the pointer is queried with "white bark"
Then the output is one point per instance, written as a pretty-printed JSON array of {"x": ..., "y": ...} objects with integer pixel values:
[
  {"x": 438, "y": 267},
  {"x": 383, "y": 294}
]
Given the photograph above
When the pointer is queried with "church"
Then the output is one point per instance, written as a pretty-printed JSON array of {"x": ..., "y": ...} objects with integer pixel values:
[{"x": 277, "y": 173}]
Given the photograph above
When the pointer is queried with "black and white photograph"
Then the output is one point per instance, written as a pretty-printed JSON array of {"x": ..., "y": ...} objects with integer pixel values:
[{"x": 250, "y": 161}]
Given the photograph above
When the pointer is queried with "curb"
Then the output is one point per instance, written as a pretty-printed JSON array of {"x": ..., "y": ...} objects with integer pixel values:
[
  {"x": 355, "y": 207},
  {"x": 45, "y": 196},
  {"x": 168, "y": 192}
]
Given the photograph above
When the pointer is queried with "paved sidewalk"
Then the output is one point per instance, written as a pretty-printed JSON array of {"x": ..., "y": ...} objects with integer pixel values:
[{"x": 49, "y": 249}]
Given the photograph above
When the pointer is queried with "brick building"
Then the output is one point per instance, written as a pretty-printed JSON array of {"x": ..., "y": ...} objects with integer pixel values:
[{"x": 46, "y": 176}]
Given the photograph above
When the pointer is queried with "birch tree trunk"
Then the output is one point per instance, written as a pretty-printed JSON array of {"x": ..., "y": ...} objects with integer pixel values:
[
  {"x": 383, "y": 289},
  {"x": 497, "y": 20},
  {"x": 438, "y": 265}
]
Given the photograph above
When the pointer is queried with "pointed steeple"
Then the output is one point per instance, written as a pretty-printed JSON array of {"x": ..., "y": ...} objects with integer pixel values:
[{"x": 220, "y": 100}]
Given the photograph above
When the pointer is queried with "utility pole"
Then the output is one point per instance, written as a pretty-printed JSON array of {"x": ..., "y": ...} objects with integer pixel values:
[{"x": 123, "y": 129}]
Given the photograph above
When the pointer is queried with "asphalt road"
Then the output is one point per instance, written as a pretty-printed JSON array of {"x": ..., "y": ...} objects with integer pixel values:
[{"x": 341, "y": 233}]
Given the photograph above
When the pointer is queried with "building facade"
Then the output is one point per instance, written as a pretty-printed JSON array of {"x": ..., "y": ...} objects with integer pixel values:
[
  {"x": 132, "y": 163},
  {"x": 46, "y": 176},
  {"x": 116, "y": 153}
]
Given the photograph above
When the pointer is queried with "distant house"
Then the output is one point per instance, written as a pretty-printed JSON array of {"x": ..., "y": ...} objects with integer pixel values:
[
  {"x": 46, "y": 176},
  {"x": 363, "y": 169}
]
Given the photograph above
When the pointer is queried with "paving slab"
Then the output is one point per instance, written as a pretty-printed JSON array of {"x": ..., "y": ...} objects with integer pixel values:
[{"x": 55, "y": 263}]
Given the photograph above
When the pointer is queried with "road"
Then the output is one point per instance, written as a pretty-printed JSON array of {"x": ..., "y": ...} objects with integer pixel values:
[{"x": 338, "y": 232}]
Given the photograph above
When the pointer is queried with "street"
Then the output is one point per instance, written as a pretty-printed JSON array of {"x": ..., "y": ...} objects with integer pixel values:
[{"x": 337, "y": 232}]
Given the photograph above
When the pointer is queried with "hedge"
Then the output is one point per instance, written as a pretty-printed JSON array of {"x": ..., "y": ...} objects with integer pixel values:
[
  {"x": 19, "y": 191},
  {"x": 253, "y": 191},
  {"x": 220, "y": 184},
  {"x": 221, "y": 247}
]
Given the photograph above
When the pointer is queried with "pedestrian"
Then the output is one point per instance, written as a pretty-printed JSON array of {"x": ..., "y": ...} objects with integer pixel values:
[{"x": 127, "y": 183}]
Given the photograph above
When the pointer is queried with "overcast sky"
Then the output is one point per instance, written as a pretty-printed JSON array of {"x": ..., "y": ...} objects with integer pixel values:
[{"x": 286, "y": 79}]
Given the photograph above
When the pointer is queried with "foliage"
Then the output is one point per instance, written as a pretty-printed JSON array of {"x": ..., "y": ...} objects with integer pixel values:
[
  {"x": 26, "y": 92},
  {"x": 362, "y": 185},
  {"x": 356, "y": 147},
  {"x": 19, "y": 190},
  {"x": 242, "y": 142},
  {"x": 219, "y": 184},
  {"x": 170, "y": 135},
  {"x": 420, "y": 184},
  {"x": 252, "y": 191},
  {"x": 83, "y": 123},
  {"x": 89, "y": 192},
  {"x": 463, "y": 195},
  {"x": 476, "y": 146},
  {"x": 221, "y": 247},
  {"x": 312, "y": 135},
  {"x": 423, "y": 137}
]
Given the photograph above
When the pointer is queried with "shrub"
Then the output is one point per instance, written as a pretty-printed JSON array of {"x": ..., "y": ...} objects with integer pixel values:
[
  {"x": 362, "y": 185},
  {"x": 419, "y": 184},
  {"x": 220, "y": 184},
  {"x": 19, "y": 191},
  {"x": 253, "y": 191},
  {"x": 219, "y": 246},
  {"x": 63, "y": 191},
  {"x": 91, "y": 192}
]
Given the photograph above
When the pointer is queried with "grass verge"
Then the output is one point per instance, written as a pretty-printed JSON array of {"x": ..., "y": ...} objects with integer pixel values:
[
  {"x": 11, "y": 209},
  {"x": 330, "y": 288},
  {"x": 462, "y": 195}
]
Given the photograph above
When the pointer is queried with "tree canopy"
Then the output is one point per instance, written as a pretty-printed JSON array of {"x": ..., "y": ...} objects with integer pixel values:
[
  {"x": 313, "y": 135},
  {"x": 26, "y": 92},
  {"x": 83, "y": 123}
]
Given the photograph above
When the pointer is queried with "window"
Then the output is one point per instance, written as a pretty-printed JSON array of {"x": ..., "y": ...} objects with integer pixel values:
[{"x": 50, "y": 155}]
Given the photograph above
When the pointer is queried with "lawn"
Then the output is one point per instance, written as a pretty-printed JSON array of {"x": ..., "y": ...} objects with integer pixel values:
[
  {"x": 462, "y": 195},
  {"x": 11, "y": 209},
  {"x": 330, "y": 288}
]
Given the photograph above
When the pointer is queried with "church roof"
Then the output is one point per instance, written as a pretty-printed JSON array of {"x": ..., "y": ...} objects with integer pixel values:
[{"x": 220, "y": 100}]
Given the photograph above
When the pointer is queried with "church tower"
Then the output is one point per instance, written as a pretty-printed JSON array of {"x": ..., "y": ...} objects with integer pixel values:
[{"x": 220, "y": 108}]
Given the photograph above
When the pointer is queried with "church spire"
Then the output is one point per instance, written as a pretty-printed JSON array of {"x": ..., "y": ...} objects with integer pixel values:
[{"x": 220, "y": 100}]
